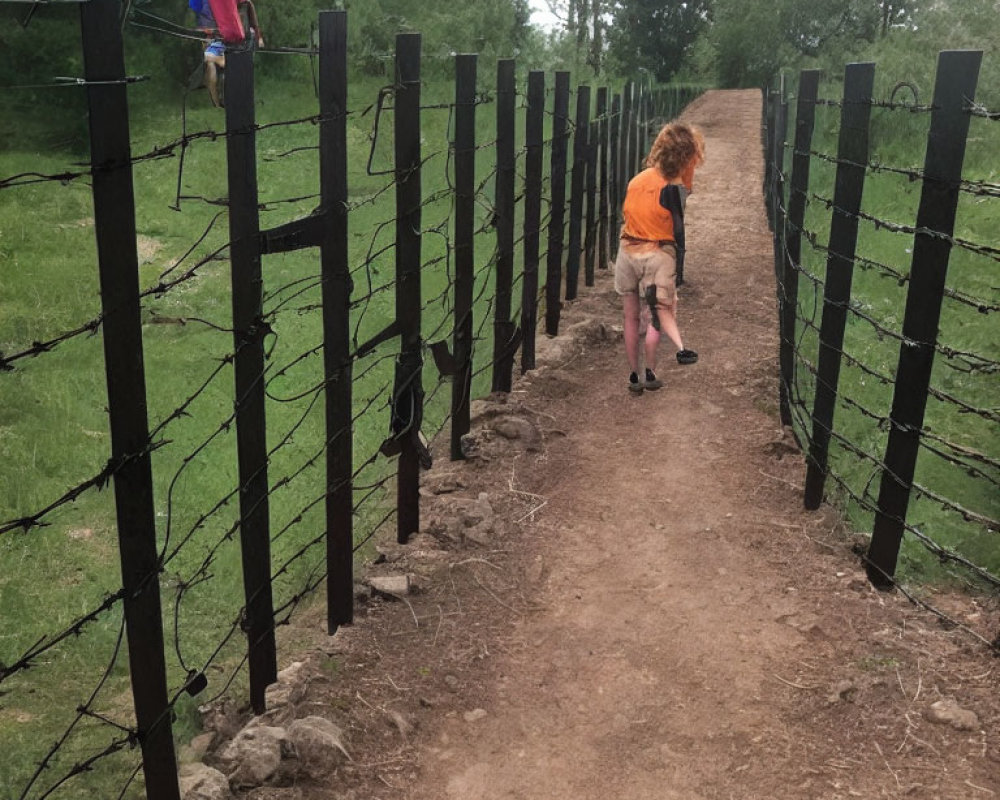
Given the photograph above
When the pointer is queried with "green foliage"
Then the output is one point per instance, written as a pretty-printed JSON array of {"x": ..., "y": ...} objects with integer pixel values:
[
  {"x": 654, "y": 35},
  {"x": 752, "y": 39}
]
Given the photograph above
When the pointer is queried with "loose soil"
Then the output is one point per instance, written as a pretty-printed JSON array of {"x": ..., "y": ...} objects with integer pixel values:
[{"x": 649, "y": 612}]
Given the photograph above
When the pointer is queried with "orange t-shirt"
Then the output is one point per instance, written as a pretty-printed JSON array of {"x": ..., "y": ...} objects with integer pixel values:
[{"x": 645, "y": 217}]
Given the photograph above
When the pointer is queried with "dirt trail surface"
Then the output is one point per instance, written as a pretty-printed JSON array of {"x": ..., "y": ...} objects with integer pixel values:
[{"x": 622, "y": 597}]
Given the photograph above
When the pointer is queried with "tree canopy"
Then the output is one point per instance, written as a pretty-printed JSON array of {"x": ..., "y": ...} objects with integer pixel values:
[{"x": 655, "y": 35}]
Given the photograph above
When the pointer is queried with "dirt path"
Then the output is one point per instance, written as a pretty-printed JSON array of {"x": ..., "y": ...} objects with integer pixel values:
[{"x": 655, "y": 616}]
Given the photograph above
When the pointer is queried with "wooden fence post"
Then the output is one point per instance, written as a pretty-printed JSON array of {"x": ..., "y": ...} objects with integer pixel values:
[
  {"x": 248, "y": 366},
  {"x": 768, "y": 136},
  {"x": 954, "y": 88},
  {"x": 590, "y": 191},
  {"x": 534, "y": 134},
  {"x": 634, "y": 130},
  {"x": 626, "y": 142},
  {"x": 337, "y": 285},
  {"x": 852, "y": 160},
  {"x": 553, "y": 275},
  {"x": 614, "y": 179},
  {"x": 788, "y": 286},
  {"x": 602, "y": 189},
  {"x": 465, "y": 217},
  {"x": 114, "y": 223},
  {"x": 505, "y": 334},
  {"x": 408, "y": 393},
  {"x": 778, "y": 195},
  {"x": 573, "y": 247},
  {"x": 641, "y": 121}
]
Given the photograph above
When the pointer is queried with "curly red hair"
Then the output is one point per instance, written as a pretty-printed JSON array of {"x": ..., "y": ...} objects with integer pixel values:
[{"x": 677, "y": 147}]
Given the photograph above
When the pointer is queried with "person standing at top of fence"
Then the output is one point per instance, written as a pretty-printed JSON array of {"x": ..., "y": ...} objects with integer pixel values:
[
  {"x": 241, "y": 24},
  {"x": 652, "y": 242}
]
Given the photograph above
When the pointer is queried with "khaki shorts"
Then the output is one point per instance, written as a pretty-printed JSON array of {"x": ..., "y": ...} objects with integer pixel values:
[{"x": 647, "y": 264}]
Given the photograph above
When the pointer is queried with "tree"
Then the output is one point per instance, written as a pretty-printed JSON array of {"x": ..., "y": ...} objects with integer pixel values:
[
  {"x": 596, "y": 56},
  {"x": 753, "y": 38},
  {"x": 655, "y": 34}
]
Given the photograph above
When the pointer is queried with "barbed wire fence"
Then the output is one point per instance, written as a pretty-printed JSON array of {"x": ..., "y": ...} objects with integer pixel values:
[
  {"x": 295, "y": 427},
  {"x": 888, "y": 374}
]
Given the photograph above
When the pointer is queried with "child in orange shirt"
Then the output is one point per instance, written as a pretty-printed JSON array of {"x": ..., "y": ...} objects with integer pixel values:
[{"x": 652, "y": 242}]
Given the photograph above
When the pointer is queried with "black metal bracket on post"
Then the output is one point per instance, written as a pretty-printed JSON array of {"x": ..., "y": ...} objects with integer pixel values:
[
  {"x": 114, "y": 223},
  {"x": 407, "y": 413},
  {"x": 508, "y": 340},
  {"x": 954, "y": 89},
  {"x": 852, "y": 156},
  {"x": 788, "y": 286},
  {"x": 298, "y": 234}
]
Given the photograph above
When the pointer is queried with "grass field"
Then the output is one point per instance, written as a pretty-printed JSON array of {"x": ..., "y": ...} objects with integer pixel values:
[
  {"x": 53, "y": 422},
  {"x": 898, "y": 140}
]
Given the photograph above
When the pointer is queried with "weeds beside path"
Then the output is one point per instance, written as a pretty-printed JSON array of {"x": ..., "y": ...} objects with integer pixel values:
[{"x": 660, "y": 618}]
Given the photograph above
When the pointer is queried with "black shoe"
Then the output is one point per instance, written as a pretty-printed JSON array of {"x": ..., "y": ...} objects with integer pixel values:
[
  {"x": 686, "y": 356},
  {"x": 634, "y": 384},
  {"x": 652, "y": 382}
]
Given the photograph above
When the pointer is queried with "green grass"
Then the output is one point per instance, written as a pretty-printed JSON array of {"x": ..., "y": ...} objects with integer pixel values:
[
  {"x": 53, "y": 422},
  {"x": 898, "y": 140}
]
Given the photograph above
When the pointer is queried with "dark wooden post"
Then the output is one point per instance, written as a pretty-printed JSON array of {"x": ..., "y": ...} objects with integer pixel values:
[
  {"x": 852, "y": 158},
  {"x": 335, "y": 269},
  {"x": 465, "y": 217},
  {"x": 614, "y": 181},
  {"x": 590, "y": 187},
  {"x": 408, "y": 393},
  {"x": 534, "y": 134},
  {"x": 602, "y": 185},
  {"x": 638, "y": 129},
  {"x": 634, "y": 128},
  {"x": 954, "y": 88},
  {"x": 778, "y": 195},
  {"x": 573, "y": 246},
  {"x": 644, "y": 127},
  {"x": 626, "y": 142},
  {"x": 504, "y": 330},
  {"x": 114, "y": 223},
  {"x": 768, "y": 117},
  {"x": 788, "y": 286},
  {"x": 248, "y": 364},
  {"x": 553, "y": 275}
]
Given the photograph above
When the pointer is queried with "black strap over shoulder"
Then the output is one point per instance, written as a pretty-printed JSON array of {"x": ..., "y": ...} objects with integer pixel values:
[{"x": 672, "y": 199}]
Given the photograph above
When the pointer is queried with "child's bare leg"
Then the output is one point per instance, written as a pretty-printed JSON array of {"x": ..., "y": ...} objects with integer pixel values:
[
  {"x": 630, "y": 333},
  {"x": 652, "y": 340},
  {"x": 668, "y": 323},
  {"x": 212, "y": 64}
]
